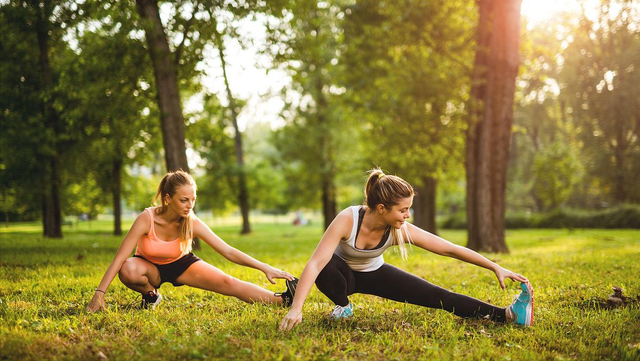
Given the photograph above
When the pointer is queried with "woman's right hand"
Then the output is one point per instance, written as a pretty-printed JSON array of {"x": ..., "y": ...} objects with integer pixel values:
[
  {"x": 292, "y": 319},
  {"x": 97, "y": 303}
]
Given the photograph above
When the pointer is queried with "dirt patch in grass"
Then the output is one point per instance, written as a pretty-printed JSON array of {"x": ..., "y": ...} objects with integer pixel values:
[{"x": 615, "y": 300}]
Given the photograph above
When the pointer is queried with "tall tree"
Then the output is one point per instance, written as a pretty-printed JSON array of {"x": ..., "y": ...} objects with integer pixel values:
[
  {"x": 165, "y": 67},
  {"x": 114, "y": 94},
  {"x": 408, "y": 79},
  {"x": 600, "y": 78},
  {"x": 313, "y": 142},
  {"x": 243, "y": 193},
  {"x": 491, "y": 117},
  {"x": 35, "y": 30}
]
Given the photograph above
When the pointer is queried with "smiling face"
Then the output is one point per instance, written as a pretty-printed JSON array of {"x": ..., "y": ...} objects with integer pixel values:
[
  {"x": 183, "y": 200},
  {"x": 398, "y": 214}
]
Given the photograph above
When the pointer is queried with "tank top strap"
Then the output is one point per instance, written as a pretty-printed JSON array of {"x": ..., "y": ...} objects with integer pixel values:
[
  {"x": 354, "y": 228},
  {"x": 152, "y": 221}
]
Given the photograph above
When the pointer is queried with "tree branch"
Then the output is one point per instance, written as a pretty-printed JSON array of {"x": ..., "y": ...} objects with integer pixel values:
[{"x": 187, "y": 26}]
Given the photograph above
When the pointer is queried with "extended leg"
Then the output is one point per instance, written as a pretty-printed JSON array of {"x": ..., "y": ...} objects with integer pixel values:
[
  {"x": 207, "y": 277},
  {"x": 395, "y": 284}
]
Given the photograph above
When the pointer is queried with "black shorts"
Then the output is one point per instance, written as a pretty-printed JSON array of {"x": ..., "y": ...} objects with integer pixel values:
[{"x": 170, "y": 271}]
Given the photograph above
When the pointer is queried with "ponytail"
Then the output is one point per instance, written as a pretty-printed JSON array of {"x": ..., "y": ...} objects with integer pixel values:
[{"x": 389, "y": 190}]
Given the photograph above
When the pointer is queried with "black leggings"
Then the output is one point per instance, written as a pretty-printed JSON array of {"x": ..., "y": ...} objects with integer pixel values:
[{"x": 337, "y": 281}]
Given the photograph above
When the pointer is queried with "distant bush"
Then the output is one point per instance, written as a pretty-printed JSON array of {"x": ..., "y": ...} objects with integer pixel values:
[{"x": 625, "y": 216}]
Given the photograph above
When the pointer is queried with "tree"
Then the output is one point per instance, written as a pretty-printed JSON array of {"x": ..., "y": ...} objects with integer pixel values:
[
  {"x": 35, "y": 30},
  {"x": 165, "y": 67},
  {"x": 243, "y": 194},
  {"x": 316, "y": 140},
  {"x": 599, "y": 81},
  {"x": 491, "y": 117},
  {"x": 408, "y": 79},
  {"x": 114, "y": 95}
]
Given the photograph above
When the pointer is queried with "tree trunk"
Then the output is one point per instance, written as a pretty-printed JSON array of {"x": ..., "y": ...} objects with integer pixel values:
[
  {"x": 243, "y": 193},
  {"x": 328, "y": 187},
  {"x": 424, "y": 205},
  {"x": 52, "y": 210},
  {"x": 116, "y": 181},
  {"x": 489, "y": 132},
  {"x": 329, "y": 204},
  {"x": 166, "y": 76}
]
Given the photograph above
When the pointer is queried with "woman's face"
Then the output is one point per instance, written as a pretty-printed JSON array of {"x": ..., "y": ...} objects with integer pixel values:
[
  {"x": 183, "y": 200},
  {"x": 398, "y": 214}
]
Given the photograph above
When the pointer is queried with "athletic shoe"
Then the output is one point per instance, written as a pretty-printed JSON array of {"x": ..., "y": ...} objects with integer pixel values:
[
  {"x": 340, "y": 312},
  {"x": 287, "y": 296},
  {"x": 522, "y": 306},
  {"x": 151, "y": 300}
]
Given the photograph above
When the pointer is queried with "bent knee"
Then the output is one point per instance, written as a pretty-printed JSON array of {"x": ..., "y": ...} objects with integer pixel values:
[{"x": 130, "y": 272}]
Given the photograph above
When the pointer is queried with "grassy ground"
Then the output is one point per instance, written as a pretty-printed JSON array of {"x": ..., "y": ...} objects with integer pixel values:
[{"x": 45, "y": 284}]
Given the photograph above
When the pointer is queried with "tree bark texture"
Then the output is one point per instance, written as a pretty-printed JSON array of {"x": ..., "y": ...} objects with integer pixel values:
[
  {"x": 243, "y": 193},
  {"x": 116, "y": 182},
  {"x": 424, "y": 205},
  {"x": 166, "y": 76},
  {"x": 491, "y": 117},
  {"x": 328, "y": 187},
  {"x": 51, "y": 207},
  {"x": 329, "y": 204}
]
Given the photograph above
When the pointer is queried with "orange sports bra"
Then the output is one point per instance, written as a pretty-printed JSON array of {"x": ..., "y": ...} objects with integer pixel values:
[{"x": 156, "y": 250}]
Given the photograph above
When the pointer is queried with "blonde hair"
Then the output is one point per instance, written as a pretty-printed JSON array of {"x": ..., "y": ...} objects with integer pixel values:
[
  {"x": 389, "y": 190},
  {"x": 168, "y": 185}
]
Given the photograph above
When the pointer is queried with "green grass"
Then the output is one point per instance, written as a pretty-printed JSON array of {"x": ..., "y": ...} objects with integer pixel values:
[{"x": 45, "y": 284}]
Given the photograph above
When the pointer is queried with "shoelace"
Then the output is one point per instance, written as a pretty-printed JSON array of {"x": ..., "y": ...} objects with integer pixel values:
[{"x": 337, "y": 311}]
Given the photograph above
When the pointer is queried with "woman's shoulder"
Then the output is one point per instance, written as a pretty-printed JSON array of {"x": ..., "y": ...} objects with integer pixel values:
[
  {"x": 346, "y": 216},
  {"x": 143, "y": 221}
]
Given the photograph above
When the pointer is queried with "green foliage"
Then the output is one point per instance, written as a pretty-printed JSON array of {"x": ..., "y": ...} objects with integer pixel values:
[
  {"x": 556, "y": 170},
  {"x": 319, "y": 145},
  {"x": 578, "y": 87},
  {"x": 139, "y": 190},
  {"x": 600, "y": 76},
  {"x": 621, "y": 217},
  {"x": 44, "y": 287}
]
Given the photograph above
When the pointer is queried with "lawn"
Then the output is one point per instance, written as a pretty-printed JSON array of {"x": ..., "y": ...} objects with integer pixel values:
[{"x": 46, "y": 283}]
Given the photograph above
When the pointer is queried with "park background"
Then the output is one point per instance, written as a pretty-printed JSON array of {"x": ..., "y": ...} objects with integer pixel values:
[{"x": 516, "y": 123}]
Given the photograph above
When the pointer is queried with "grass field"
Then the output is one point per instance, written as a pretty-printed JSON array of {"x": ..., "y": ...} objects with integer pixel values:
[{"x": 46, "y": 283}]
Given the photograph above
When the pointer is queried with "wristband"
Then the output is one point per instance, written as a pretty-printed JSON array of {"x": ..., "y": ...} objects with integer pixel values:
[{"x": 98, "y": 290}]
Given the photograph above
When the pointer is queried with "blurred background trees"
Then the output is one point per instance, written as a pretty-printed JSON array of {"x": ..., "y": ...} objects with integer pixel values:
[{"x": 365, "y": 83}]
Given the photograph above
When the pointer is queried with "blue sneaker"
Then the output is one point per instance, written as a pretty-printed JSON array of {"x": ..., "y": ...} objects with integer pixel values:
[
  {"x": 522, "y": 306},
  {"x": 340, "y": 312}
]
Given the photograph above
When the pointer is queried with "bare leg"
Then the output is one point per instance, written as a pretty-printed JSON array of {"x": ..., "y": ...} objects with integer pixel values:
[
  {"x": 207, "y": 277},
  {"x": 139, "y": 275}
]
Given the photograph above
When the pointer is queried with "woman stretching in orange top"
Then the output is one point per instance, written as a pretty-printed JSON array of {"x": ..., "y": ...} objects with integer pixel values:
[{"x": 163, "y": 237}]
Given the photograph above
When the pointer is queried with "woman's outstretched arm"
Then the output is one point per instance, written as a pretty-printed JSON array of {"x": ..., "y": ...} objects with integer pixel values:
[
  {"x": 440, "y": 246},
  {"x": 339, "y": 229},
  {"x": 234, "y": 255},
  {"x": 138, "y": 229}
]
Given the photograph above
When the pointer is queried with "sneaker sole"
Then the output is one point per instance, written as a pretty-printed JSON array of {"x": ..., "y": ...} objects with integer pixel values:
[
  {"x": 292, "y": 285},
  {"x": 529, "y": 319},
  {"x": 153, "y": 305}
]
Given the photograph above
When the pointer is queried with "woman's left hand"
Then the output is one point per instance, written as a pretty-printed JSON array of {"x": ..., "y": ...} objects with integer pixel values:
[
  {"x": 502, "y": 273},
  {"x": 272, "y": 273}
]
